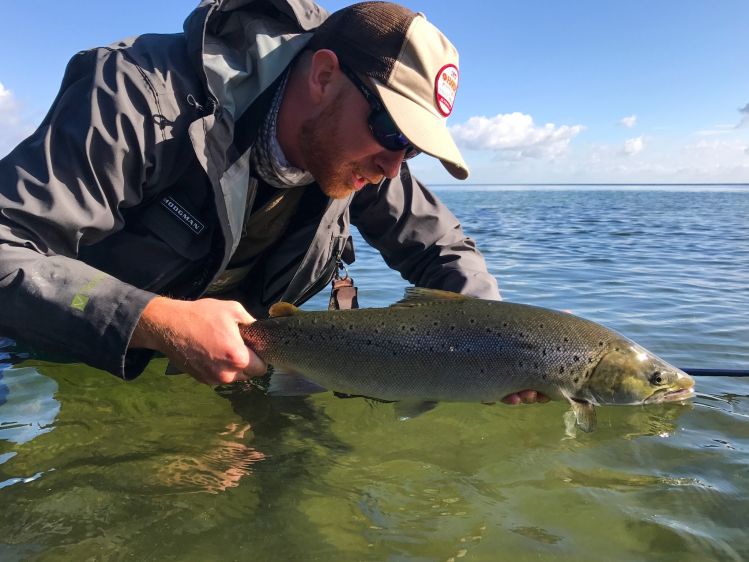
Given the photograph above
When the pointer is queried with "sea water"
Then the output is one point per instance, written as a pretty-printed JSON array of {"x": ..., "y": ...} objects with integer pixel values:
[{"x": 163, "y": 468}]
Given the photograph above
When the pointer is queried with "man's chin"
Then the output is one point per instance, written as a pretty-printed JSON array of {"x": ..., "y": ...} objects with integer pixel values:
[{"x": 337, "y": 190}]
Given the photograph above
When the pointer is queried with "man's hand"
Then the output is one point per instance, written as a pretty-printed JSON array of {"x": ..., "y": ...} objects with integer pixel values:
[
  {"x": 525, "y": 397},
  {"x": 201, "y": 337}
]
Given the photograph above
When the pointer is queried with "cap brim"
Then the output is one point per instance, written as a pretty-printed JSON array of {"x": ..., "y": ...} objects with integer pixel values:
[{"x": 424, "y": 129}]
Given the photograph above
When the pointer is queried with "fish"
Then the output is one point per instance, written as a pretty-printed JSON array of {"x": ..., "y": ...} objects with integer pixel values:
[{"x": 434, "y": 346}]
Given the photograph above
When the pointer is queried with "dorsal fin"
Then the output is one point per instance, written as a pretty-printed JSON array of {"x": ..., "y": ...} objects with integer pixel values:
[
  {"x": 419, "y": 295},
  {"x": 283, "y": 309}
]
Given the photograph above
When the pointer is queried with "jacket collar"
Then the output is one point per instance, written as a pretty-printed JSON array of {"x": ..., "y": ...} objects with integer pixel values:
[{"x": 240, "y": 47}]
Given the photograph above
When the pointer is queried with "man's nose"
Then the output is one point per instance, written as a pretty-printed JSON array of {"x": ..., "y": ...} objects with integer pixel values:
[{"x": 389, "y": 161}]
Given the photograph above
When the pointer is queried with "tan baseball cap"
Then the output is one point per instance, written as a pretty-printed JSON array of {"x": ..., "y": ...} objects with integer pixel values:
[{"x": 409, "y": 63}]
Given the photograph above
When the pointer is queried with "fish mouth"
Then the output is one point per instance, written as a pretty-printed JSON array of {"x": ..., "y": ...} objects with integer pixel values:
[{"x": 665, "y": 395}]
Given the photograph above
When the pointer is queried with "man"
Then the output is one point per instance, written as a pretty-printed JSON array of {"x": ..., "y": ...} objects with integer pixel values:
[{"x": 228, "y": 161}]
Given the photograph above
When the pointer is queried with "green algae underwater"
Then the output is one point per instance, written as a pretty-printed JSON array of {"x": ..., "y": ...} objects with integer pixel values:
[{"x": 163, "y": 468}]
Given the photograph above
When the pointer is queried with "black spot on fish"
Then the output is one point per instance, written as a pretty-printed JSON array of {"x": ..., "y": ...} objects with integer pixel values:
[
  {"x": 576, "y": 379},
  {"x": 472, "y": 320},
  {"x": 543, "y": 353},
  {"x": 566, "y": 340},
  {"x": 561, "y": 370},
  {"x": 504, "y": 324},
  {"x": 540, "y": 325},
  {"x": 546, "y": 376},
  {"x": 488, "y": 330},
  {"x": 435, "y": 323},
  {"x": 413, "y": 329},
  {"x": 576, "y": 358},
  {"x": 535, "y": 365},
  {"x": 559, "y": 348},
  {"x": 350, "y": 326},
  {"x": 600, "y": 344}
]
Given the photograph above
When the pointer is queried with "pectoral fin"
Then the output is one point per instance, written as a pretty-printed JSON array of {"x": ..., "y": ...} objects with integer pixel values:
[
  {"x": 411, "y": 409},
  {"x": 172, "y": 369},
  {"x": 291, "y": 384},
  {"x": 585, "y": 415}
]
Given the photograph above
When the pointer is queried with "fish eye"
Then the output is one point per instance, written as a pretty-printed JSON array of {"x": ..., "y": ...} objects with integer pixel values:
[{"x": 656, "y": 378}]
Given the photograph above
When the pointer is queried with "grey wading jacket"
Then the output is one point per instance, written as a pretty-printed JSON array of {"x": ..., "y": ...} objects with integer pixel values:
[{"x": 135, "y": 184}]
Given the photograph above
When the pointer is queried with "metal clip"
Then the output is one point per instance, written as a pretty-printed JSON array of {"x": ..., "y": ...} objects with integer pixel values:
[
  {"x": 343, "y": 292},
  {"x": 340, "y": 266}
]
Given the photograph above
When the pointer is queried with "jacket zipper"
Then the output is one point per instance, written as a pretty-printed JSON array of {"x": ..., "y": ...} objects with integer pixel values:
[{"x": 325, "y": 277}]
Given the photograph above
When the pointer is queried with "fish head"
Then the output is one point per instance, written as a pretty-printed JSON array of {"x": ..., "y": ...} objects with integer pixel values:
[{"x": 629, "y": 374}]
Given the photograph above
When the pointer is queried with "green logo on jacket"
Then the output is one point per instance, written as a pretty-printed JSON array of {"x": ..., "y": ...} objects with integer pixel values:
[{"x": 81, "y": 299}]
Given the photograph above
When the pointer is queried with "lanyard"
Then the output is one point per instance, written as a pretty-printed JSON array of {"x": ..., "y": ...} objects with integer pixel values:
[{"x": 343, "y": 292}]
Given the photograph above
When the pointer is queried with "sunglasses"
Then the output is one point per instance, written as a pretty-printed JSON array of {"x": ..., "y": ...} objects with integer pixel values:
[{"x": 381, "y": 125}]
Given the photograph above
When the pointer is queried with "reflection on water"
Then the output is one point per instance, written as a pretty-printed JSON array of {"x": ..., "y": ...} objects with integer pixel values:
[
  {"x": 28, "y": 404},
  {"x": 214, "y": 470},
  {"x": 163, "y": 468}
]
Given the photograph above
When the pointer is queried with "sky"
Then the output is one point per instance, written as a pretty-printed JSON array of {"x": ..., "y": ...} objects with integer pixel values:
[{"x": 551, "y": 91}]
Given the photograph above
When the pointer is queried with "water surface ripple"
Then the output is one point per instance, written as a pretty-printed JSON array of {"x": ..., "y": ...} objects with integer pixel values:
[{"x": 163, "y": 468}]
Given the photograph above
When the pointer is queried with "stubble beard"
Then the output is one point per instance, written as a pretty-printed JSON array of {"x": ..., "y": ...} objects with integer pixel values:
[{"x": 322, "y": 148}]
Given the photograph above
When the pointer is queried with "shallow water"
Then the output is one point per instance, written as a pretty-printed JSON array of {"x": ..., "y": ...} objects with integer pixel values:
[{"x": 166, "y": 469}]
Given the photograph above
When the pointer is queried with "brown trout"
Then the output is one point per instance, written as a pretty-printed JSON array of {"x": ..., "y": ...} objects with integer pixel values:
[{"x": 437, "y": 346}]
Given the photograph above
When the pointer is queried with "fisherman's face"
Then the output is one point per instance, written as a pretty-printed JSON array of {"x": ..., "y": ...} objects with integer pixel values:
[{"x": 340, "y": 151}]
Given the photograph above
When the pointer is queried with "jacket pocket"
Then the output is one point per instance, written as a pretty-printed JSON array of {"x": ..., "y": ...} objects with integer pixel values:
[
  {"x": 166, "y": 240},
  {"x": 179, "y": 226}
]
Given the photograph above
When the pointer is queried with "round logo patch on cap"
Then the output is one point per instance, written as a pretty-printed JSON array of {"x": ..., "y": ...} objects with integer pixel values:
[{"x": 445, "y": 88}]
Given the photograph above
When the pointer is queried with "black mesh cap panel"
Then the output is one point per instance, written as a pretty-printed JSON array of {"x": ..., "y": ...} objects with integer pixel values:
[{"x": 367, "y": 37}]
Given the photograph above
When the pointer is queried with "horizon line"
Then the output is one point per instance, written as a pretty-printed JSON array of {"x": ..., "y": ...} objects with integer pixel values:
[{"x": 589, "y": 183}]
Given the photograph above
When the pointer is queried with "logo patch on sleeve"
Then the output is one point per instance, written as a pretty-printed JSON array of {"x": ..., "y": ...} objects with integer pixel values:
[
  {"x": 445, "y": 88},
  {"x": 196, "y": 227}
]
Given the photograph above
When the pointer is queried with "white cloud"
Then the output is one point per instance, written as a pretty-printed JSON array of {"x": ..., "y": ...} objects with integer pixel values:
[
  {"x": 720, "y": 129},
  {"x": 13, "y": 127},
  {"x": 705, "y": 160},
  {"x": 662, "y": 160},
  {"x": 728, "y": 128},
  {"x": 715, "y": 153},
  {"x": 744, "y": 117},
  {"x": 629, "y": 121},
  {"x": 633, "y": 146},
  {"x": 515, "y": 136}
]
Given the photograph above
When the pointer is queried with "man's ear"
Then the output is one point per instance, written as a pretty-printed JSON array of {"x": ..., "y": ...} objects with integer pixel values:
[{"x": 322, "y": 76}]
